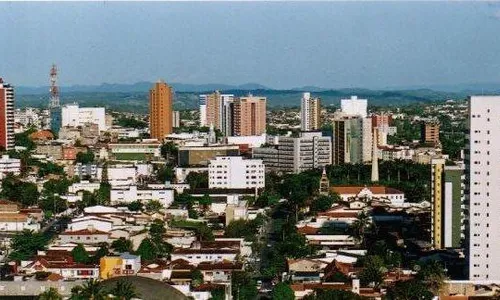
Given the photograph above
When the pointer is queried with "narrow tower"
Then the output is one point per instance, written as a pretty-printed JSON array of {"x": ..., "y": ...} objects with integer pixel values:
[
  {"x": 54, "y": 102},
  {"x": 375, "y": 155},
  {"x": 324, "y": 184}
]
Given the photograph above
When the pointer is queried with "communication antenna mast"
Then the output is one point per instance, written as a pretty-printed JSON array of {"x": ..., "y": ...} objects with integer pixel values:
[{"x": 54, "y": 89}]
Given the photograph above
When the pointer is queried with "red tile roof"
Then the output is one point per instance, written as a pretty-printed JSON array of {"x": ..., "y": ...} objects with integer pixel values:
[
  {"x": 84, "y": 232},
  {"x": 376, "y": 190}
]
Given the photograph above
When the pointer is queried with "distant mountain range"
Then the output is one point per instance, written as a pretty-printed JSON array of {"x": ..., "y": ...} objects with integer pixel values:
[
  {"x": 134, "y": 97},
  {"x": 138, "y": 87},
  {"x": 141, "y": 87}
]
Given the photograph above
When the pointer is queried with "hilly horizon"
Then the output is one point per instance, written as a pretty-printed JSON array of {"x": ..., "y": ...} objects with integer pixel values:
[{"x": 144, "y": 86}]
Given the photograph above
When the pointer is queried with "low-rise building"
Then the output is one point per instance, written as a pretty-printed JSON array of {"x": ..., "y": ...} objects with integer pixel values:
[
  {"x": 10, "y": 165},
  {"x": 84, "y": 236},
  {"x": 132, "y": 193},
  {"x": 124, "y": 265},
  {"x": 233, "y": 172},
  {"x": 311, "y": 150},
  {"x": 368, "y": 193},
  {"x": 200, "y": 156},
  {"x": 141, "y": 150}
]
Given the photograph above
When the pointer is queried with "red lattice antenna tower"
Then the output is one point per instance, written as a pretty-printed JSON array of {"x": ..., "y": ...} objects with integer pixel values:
[{"x": 54, "y": 89}]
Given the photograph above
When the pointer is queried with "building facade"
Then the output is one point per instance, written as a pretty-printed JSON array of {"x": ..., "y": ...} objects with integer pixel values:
[
  {"x": 354, "y": 106},
  {"x": 310, "y": 113},
  {"x": 234, "y": 172},
  {"x": 249, "y": 116},
  {"x": 430, "y": 133},
  {"x": 482, "y": 192},
  {"x": 6, "y": 115},
  {"x": 160, "y": 110},
  {"x": 311, "y": 150},
  {"x": 72, "y": 115},
  {"x": 447, "y": 193}
]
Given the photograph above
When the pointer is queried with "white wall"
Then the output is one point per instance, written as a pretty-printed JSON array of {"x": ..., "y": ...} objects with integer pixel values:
[
  {"x": 73, "y": 116},
  {"x": 354, "y": 106},
  {"x": 131, "y": 194},
  {"x": 232, "y": 172}
]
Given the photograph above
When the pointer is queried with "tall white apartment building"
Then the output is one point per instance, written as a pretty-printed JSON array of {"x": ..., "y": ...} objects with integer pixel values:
[
  {"x": 234, "y": 172},
  {"x": 310, "y": 113},
  {"x": 354, "y": 106},
  {"x": 482, "y": 188},
  {"x": 73, "y": 115},
  {"x": 203, "y": 110}
]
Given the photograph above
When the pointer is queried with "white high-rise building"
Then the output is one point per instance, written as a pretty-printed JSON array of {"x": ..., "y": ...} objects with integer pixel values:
[
  {"x": 354, "y": 106},
  {"x": 310, "y": 112},
  {"x": 203, "y": 110},
  {"x": 482, "y": 188},
  {"x": 234, "y": 172},
  {"x": 73, "y": 115}
]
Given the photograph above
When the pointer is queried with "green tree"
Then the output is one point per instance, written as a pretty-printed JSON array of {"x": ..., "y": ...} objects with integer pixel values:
[
  {"x": 25, "y": 244},
  {"x": 135, "y": 205},
  {"x": 153, "y": 206},
  {"x": 122, "y": 245},
  {"x": 103, "y": 194},
  {"x": 243, "y": 286},
  {"x": 124, "y": 290},
  {"x": 165, "y": 173},
  {"x": 170, "y": 152},
  {"x": 91, "y": 290},
  {"x": 147, "y": 250},
  {"x": 197, "y": 180},
  {"x": 433, "y": 275},
  {"x": 282, "y": 291},
  {"x": 218, "y": 294},
  {"x": 409, "y": 290},
  {"x": 50, "y": 294},
  {"x": 359, "y": 227},
  {"x": 373, "y": 271},
  {"x": 322, "y": 203},
  {"x": 196, "y": 277},
  {"x": 85, "y": 157},
  {"x": 205, "y": 201},
  {"x": 23, "y": 139},
  {"x": 80, "y": 255}
]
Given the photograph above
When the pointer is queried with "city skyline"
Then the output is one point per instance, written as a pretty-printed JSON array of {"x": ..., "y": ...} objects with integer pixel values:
[{"x": 288, "y": 45}]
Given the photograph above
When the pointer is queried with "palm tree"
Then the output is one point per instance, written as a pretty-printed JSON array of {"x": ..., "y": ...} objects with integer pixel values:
[
  {"x": 124, "y": 290},
  {"x": 358, "y": 227},
  {"x": 91, "y": 289},
  {"x": 50, "y": 294}
]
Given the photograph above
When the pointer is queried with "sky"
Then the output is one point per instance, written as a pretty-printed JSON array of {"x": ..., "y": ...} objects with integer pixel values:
[{"x": 279, "y": 45}]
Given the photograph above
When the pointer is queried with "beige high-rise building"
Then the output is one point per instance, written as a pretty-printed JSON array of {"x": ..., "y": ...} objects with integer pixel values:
[
  {"x": 160, "y": 110},
  {"x": 213, "y": 109},
  {"x": 310, "y": 113},
  {"x": 249, "y": 116}
]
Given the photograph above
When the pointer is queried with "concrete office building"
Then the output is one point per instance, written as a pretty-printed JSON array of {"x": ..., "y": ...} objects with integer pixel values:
[
  {"x": 311, "y": 150},
  {"x": 72, "y": 115},
  {"x": 352, "y": 140},
  {"x": 9, "y": 165},
  {"x": 354, "y": 106},
  {"x": 203, "y": 110},
  {"x": 176, "y": 119},
  {"x": 447, "y": 195},
  {"x": 430, "y": 133},
  {"x": 249, "y": 116},
  {"x": 234, "y": 172},
  {"x": 6, "y": 115},
  {"x": 217, "y": 109},
  {"x": 482, "y": 190},
  {"x": 201, "y": 155},
  {"x": 160, "y": 110},
  {"x": 310, "y": 113}
]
